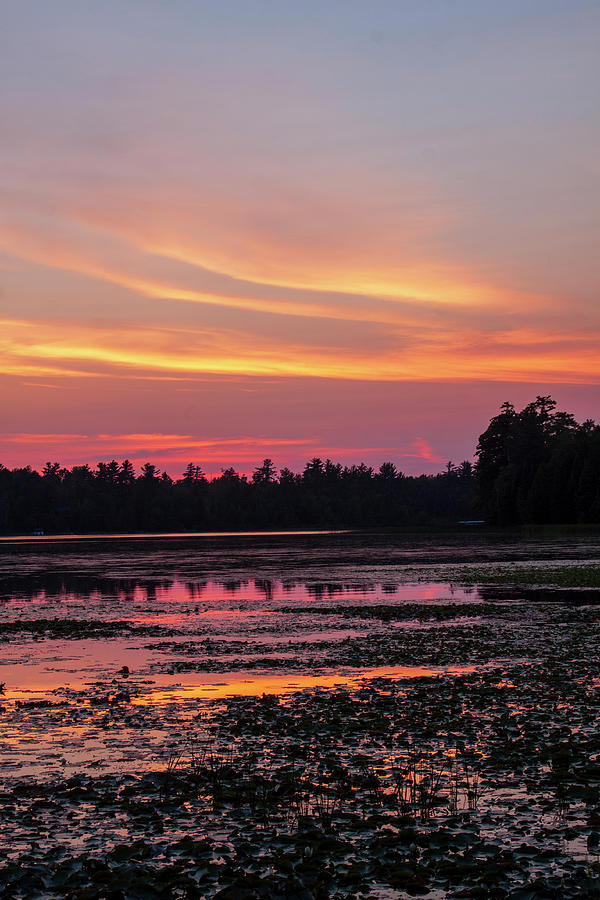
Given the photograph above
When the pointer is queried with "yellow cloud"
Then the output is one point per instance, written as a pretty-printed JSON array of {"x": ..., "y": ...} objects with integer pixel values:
[{"x": 72, "y": 348}]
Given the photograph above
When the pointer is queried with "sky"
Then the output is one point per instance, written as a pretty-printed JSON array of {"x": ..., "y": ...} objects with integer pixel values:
[{"x": 249, "y": 228}]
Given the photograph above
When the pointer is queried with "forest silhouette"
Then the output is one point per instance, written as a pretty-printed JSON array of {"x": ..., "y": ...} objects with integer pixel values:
[{"x": 534, "y": 466}]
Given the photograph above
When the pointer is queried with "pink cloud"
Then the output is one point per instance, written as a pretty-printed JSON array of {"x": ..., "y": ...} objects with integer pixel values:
[{"x": 423, "y": 450}]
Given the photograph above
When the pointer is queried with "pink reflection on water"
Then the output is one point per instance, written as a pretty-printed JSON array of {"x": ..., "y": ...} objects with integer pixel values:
[
  {"x": 249, "y": 612},
  {"x": 281, "y": 592},
  {"x": 251, "y": 591}
]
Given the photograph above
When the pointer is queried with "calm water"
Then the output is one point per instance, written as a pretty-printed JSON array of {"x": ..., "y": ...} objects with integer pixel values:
[
  {"x": 246, "y": 596},
  {"x": 254, "y": 618},
  {"x": 165, "y": 620}
]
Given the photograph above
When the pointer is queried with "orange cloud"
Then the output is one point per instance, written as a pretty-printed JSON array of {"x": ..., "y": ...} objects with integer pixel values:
[
  {"x": 66, "y": 349},
  {"x": 317, "y": 288},
  {"x": 347, "y": 237}
]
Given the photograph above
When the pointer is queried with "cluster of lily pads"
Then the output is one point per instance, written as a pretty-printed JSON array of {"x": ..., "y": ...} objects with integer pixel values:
[{"x": 484, "y": 784}]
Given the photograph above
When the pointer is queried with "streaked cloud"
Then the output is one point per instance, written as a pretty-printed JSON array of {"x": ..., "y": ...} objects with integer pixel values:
[{"x": 63, "y": 348}]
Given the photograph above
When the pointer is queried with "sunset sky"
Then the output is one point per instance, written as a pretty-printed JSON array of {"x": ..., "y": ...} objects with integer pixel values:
[{"x": 250, "y": 228}]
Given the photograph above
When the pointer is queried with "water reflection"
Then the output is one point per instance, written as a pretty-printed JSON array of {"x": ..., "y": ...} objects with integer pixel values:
[
  {"x": 63, "y": 631},
  {"x": 200, "y": 623},
  {"x": 61, "y": 588},
  {"x": 253, "y": 685},
  {"x": 65, "y": 588}
]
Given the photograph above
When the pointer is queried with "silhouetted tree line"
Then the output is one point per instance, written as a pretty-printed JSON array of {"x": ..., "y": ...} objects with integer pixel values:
[
  {"x": 112, "y": 497},
  {"x": 537, "y": 466}
]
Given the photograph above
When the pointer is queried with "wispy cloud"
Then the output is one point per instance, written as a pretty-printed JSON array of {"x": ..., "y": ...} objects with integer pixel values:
[{"x": 172, "y": 451}]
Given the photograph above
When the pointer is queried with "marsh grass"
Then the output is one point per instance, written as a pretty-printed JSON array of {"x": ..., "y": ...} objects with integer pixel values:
[
  {"x": 427, "y": 785},
  {"x": 419, "y": 784},
  {"x": 227, "y": 778}
]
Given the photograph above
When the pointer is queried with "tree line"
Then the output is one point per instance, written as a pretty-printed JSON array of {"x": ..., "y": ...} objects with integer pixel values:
[
  {"x": 537, "y": 465},
  {"x": 113, "y": 497}
]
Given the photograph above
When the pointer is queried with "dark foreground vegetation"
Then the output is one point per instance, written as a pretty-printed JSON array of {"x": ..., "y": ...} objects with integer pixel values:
[
  {"x": 478, "y": 785},
  {"x": 477, "y": 789},
  {"x": 533, "y": 466}
]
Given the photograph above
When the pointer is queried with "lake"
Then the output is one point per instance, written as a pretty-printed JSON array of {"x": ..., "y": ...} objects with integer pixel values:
[{"x": 317, "y": 714}]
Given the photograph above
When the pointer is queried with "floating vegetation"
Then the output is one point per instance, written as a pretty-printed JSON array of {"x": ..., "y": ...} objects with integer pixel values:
[
  {"x": 71, "y": 629},
  {"x": 483, "y": 785},
  {"x": 572, "y": 576},
  {"x": 475, "y": 783},
  {"x": 407, "y": 612}
]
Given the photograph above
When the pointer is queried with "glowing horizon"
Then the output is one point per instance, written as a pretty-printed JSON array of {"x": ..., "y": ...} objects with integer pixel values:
[{"x": 175, "y": 451}]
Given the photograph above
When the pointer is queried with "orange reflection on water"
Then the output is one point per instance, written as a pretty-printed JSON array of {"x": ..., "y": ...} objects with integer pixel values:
[{"x": 207, "y": 687}]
